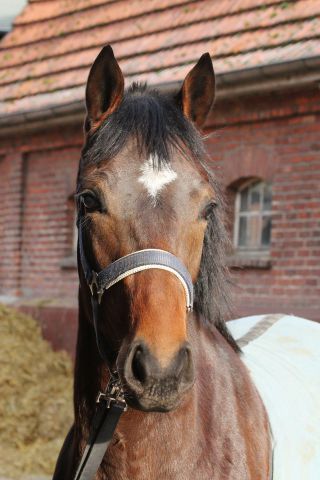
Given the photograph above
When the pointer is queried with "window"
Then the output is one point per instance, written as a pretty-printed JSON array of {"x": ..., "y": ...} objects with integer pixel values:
[{"x": 252, "y": 232}]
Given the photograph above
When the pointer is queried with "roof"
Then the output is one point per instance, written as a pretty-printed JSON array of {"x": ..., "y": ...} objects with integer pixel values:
[{"x": 44, "y": 61}]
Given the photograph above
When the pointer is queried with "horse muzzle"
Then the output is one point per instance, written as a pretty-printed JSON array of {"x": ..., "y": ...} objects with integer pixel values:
[{"x": 152, "y": 387}]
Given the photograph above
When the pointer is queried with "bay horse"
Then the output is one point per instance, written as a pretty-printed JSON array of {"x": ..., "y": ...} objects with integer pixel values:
[{"x": 193, "y": 410}]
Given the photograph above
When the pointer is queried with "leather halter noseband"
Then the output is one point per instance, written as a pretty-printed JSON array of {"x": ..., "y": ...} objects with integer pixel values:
[{"x": 133, "y": 263}]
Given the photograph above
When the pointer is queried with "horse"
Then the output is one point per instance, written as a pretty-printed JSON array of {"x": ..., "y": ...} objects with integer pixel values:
[{"x": 143, "y": 185}]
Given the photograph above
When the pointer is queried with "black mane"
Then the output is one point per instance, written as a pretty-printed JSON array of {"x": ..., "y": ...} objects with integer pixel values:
[{"x": 158, "y": 126}]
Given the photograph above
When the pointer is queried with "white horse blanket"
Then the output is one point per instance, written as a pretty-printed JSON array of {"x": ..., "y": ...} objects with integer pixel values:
[{"x": 282, "y": 353}]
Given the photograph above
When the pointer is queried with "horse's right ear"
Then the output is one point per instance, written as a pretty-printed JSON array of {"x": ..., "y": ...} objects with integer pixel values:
[{"x": 104, "y": 91}]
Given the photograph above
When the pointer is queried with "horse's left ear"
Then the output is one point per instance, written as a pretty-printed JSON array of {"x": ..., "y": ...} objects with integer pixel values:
[
  {"x": 198, "y": 90},
  {"x": 105, "y": 87}
]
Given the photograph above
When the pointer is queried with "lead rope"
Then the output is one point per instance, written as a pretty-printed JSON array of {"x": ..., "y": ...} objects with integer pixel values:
[{"x": 110, "y": 405}]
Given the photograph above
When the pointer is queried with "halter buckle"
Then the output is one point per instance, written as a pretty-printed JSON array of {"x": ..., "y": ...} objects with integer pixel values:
[
  {"x": 94, "y": 283},
  {"x": 113, "y": 394}
]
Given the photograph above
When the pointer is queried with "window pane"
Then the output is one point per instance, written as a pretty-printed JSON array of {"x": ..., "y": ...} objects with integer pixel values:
[
  {"x": 254, "y": 231},
  {"x": 266, "y": 231},
  {"x": 267, "y": 197},
  {"x": 242, "y": 241},
  {"x": 255, "y": 197},
  {"x": 244, "y": 200}
]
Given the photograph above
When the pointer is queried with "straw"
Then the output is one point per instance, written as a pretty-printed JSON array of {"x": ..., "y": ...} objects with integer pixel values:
[{"x": 35, "y": 398}]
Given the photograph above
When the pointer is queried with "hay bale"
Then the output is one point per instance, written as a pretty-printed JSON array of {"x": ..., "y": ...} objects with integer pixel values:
[{"x": 35, "y": 398}]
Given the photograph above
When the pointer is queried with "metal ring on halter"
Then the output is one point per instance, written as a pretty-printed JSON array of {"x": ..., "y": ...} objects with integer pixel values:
[{"x": 94, "y": 283}]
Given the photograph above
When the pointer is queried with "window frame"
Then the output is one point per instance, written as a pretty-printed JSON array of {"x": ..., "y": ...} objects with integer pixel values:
[{"x": 244, "y": 249}]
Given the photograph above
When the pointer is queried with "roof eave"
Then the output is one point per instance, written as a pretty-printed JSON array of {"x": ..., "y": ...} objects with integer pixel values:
[
  {"x": 297, "y": 74},
  {"x": 287, "y": 75}
]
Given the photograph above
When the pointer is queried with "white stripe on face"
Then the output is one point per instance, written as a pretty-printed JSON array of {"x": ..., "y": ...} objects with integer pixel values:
[{"x": 154, "y": 179}]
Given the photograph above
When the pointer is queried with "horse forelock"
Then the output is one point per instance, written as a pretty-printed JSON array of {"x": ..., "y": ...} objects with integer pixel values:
[
  {"x": 153, "y": 121},
  {"x": 158, "y": 128}
]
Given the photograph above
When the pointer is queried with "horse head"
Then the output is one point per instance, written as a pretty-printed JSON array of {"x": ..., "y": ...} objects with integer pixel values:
[{"x": 142, "y": 185}]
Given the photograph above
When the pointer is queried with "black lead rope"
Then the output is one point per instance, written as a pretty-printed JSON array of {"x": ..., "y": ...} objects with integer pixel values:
[
  {"x": 110, "y": 407},
  {"x": 95, "y": 450},
  {"x": 111, "y": 404}
]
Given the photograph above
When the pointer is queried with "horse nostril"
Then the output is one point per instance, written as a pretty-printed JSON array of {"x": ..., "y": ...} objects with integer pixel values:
[
  {"x": 139, "y": 366},
  {"x": 143, "y": 372}
]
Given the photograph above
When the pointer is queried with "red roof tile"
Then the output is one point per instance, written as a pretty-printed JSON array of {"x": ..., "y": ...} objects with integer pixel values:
[{"x": 45, "y": 60}]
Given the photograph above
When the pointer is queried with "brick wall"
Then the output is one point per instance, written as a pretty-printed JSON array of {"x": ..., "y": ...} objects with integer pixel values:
[
  {"x": 37, "y": 178},
  {"x": 274, "y": 138},
  {"x": 11, "y": 187},
  {"x": 46, "y": 227},
  {"x": 37, "y": 181}
]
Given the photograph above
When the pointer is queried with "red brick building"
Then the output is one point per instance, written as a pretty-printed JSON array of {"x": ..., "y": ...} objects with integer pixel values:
[{"x": 264, "y": 138}]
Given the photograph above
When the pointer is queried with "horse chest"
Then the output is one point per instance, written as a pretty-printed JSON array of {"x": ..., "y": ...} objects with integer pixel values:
[
  {"x": 150, "y": 454},
  {"x": 194, "y": 466},
  {"x": 153, "y": 465},
  {"x": 166, "y": 455}
]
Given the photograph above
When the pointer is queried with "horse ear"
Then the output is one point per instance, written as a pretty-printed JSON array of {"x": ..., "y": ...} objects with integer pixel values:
[
  {"x": 105, "y": 87},
  {"x": 198, "y": 90}
]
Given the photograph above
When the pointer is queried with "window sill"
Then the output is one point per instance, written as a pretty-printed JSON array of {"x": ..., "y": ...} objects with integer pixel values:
[
  {"x": 69, "y": 263},
  {"x": 258, "y": 260}
]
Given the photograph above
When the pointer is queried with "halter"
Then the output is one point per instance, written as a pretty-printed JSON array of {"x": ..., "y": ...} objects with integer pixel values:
[
  {"x": 135, "y": 262},
  {"x": 123, "y": 267},
  {"x": 111, "y": 403}
]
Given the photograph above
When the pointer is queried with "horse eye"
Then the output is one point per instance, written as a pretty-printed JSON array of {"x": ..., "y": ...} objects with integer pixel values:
[
  {"x": 90, "y": 202},
  {"x": 207, "y": 210}
]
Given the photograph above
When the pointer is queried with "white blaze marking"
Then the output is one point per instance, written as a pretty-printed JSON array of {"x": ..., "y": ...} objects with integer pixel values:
[{"x": 154, "y": 179}]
